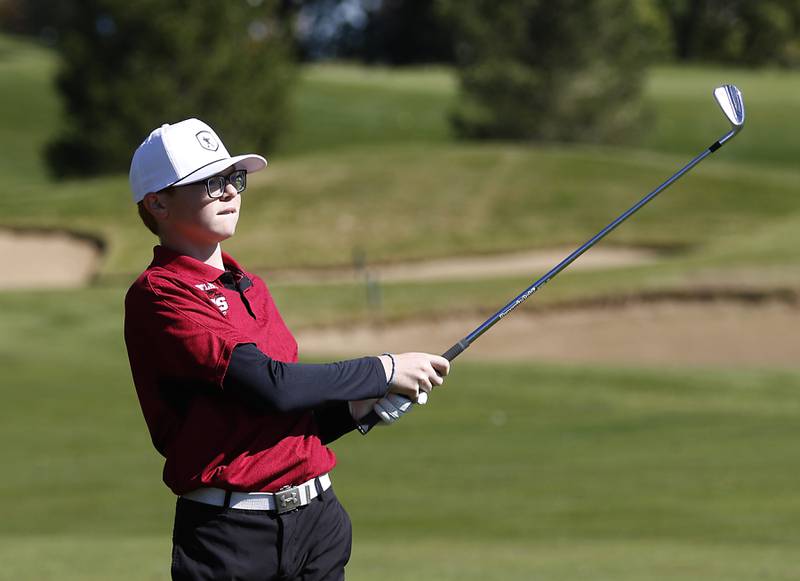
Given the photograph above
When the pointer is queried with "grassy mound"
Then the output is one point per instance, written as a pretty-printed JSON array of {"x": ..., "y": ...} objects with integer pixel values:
[{"x": 370, "y": 167}]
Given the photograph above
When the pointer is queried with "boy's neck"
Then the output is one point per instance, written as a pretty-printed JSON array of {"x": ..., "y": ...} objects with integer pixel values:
[{"x": 211, "y": 255}]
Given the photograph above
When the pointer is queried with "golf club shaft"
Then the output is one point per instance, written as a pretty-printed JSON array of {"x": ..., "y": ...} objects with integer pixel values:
[{"x": 366, "y": 423}]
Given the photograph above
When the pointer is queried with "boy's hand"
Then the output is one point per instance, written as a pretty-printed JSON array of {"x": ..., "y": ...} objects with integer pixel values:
[{"x": 415, "y": 373}]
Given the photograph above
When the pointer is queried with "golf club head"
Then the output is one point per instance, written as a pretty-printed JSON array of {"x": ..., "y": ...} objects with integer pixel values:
[{"x": 729, "y": 98}]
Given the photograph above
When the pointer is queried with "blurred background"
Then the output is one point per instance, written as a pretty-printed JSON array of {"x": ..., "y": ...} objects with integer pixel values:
[{"x": 636, "y": 419}]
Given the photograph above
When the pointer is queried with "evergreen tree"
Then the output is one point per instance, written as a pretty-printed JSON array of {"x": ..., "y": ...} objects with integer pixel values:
[
  {"x": 566, "y": 71},
  {"x": 127, "y": 67},
  {"x": 748, "y": 32},
  {"x": 405, "y": 32}
]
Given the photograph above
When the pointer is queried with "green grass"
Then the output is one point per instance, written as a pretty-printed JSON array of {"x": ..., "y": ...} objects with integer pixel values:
[
  {"x": 511, "y": 472},
  {"x": 450, "y": 200},
  {"x": 29, "y": 113},
  {"x": 370, "y": 166},
  {"x": 100, "y": 558},
  {"x": 345, "y": 106},
  {"x": 341, "y": 106},
  {"x": 688, "y": 120}
]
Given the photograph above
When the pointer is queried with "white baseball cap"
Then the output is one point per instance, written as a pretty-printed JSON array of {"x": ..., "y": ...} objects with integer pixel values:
[{"x": 183, "y": 153}]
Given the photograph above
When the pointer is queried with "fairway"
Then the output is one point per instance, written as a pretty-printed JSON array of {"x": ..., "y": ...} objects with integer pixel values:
[
  {"x": 511, "y": 472},
  {"x": 572, "y": 458}
]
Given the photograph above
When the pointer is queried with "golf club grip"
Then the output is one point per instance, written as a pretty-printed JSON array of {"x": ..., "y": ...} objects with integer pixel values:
[
  {"x": 372, "y": 419},
  {"x": 455, "y": 350}
]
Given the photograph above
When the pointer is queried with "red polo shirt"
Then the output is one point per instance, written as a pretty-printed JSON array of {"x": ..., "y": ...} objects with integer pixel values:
[{"x": 181, "y": 326}]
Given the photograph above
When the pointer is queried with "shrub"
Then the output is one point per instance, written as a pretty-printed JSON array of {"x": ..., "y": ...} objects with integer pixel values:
[{"x": 128, "y": 67}]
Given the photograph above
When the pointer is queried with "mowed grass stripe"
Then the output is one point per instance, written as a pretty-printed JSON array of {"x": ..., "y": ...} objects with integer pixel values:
[{"x": 148, "y": 558}]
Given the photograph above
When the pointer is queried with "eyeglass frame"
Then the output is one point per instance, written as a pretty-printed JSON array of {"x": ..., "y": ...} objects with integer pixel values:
[{"x": 225, "y": 181}]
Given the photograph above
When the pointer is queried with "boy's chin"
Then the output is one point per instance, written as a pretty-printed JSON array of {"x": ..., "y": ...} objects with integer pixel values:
[
  {"x": 225, "y": 231},
  {"x": 225, "y": 235}
]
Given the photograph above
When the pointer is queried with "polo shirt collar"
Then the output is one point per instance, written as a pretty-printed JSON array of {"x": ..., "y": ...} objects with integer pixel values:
[{"x": 187, "y": 266}]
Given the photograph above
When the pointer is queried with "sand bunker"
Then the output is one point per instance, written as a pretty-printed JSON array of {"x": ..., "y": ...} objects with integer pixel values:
[
  {"x": 725, "y": 332},
  {"x": 697, "y": 328},
  {"x": 44, "y": 259},
  {"x": 61, "y": 260},
  {"x": 526, "y": 263}
]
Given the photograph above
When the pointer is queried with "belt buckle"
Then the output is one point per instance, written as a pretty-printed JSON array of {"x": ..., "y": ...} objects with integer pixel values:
[{"x": 287, "y": 499}]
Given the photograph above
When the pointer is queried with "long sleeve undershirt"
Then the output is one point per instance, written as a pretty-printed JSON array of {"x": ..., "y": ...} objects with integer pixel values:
[{"x": 267, "y": 384}]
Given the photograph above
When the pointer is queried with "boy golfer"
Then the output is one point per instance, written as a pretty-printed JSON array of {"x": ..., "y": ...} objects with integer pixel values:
[{"x": 243, "y": 428}]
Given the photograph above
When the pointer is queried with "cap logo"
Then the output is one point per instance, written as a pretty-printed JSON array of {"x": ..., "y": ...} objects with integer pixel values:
[{"x": 207, "y": 141}]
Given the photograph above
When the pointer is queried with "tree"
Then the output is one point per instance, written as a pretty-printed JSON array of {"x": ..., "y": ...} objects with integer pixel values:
[
  {"x": 395, "y": 32},
  {"x": 130, "y": 66},
  {"x": 539, "y": 70},
  {"x": 404, "y": 32},
  {"x": 748, "y": 32}
]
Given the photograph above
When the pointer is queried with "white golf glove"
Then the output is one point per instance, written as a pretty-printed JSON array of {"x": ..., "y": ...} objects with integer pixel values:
[{"x": 389, "y": 408}]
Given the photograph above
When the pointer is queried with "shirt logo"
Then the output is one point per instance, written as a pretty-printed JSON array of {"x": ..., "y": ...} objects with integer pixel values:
[
  {"x": 215, "y": 296},
  {"x": 207, "y": 141},
  {"x": 221, "y": 302}
]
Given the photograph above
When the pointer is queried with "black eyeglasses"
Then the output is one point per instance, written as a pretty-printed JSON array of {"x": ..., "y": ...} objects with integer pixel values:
[{"x": 215, "y": 185}]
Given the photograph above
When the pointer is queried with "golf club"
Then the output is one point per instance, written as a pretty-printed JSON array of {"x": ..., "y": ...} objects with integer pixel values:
[{"x": 729, "y": 98}]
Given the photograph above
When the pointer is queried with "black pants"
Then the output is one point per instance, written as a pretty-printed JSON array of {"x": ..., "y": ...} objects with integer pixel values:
[{"x": 309, "y": 544}]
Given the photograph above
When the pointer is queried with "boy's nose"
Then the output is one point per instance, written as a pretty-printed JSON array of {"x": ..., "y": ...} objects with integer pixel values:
[{"x": 229, "y": 192}]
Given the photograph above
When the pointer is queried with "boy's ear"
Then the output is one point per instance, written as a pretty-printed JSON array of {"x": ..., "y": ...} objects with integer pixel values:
[{"x": 155, "y": 205}]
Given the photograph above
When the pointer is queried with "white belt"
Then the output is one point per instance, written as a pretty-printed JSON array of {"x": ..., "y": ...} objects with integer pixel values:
[{"x": 286, "y": 499}]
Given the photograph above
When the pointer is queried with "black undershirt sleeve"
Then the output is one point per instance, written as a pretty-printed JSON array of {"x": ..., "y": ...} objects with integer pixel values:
[
  {"x": 267, "y": 384},
  {"x": 333, "y": 421}
]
